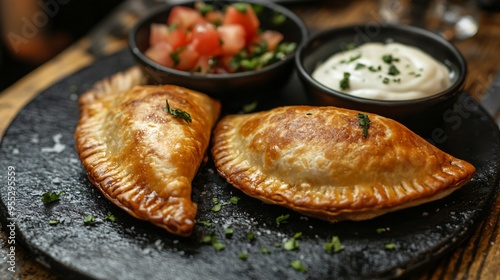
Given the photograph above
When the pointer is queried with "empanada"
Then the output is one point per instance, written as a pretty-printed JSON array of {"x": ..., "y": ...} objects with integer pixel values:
[
  {"x": 141, "y": 157},
  {"x": 316, "y": 161}
]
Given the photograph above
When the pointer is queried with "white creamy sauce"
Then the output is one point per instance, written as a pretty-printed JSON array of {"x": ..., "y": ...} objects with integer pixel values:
[{"x": 368, "y": 71}]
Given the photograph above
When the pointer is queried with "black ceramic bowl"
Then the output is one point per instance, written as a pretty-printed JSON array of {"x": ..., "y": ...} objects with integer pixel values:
[
  {"x": 324, "y": 44},
  {"x": 234, "y": 89}
]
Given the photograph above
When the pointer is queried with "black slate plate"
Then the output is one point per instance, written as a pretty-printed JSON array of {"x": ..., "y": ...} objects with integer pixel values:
[{"x": 38, "y": 151}]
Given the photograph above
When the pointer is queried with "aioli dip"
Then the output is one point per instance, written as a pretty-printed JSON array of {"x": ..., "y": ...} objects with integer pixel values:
[{"x": 380, "y": 71}]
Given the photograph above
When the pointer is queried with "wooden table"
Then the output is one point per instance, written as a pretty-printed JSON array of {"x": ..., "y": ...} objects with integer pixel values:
[{"x": 477, "y": 258}]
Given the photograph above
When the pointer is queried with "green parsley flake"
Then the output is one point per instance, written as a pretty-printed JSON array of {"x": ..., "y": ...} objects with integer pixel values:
[
  {"x": 251, "y": 236},
  {"x": 381, "y": 230},
  {"x": 217, "y": 207},
  {"x": 360, "y": 66},
  {"x": 49, "y": 197},
  {"x": 204, "y": 8},
  {"x": 390, "y": 246},
  {"x": 53, "y": 222},
  {"x": 243, "y": 256},
  {"x": 282, "y": 219},
  {"x": 388, "y": 58},
  {"x": 234, "y": 200},
  {"x": 393, "y": 71},
  {"x": 344, "y": 83},
  {"x": 373, "y": 69},
  {"x": 364, "y": 121},
  {"x": 292, "y": 243},
  {"x": 178, "y": 113},
  {"x": 228, "y": 231},
  {"x": 205, "y": 223},
  {"x": 356, "y": 57},
  {"x": 110, "y": 217},
  {"x": 210, "y": 238},
  {"x": 297, "y": 265},
  {"x": 89, "y": 220},
  {"x": 333, "y": 246},
  {"x": 278, "y": 18},
  {"x": 264, "y": 250},
  {"x": 240, "y": 7},
  {"x": 385, "y": 80}
]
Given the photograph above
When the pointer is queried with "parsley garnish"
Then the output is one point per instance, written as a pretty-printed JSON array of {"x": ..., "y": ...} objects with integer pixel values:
[
  {"x": 297, "y": 265},
  {"x": 212, "y": 239},
  {"x": 356, "y": 57},
  {"x": 243, "y": 256},
  {"x": 240, "y": 7},
  {"x": 282, "y": 219},
  {"x": 205, "y": 223},
  {"x": 344, "y": 83},
  {"x": 228, "y": 231},
  {"x": 373, "y": 69},
  {"x": 333, "y": 246},
  {"x": 234, "y": 200},
  {"x": 178, "y": 113},
  {"x": 251, "y": 236},
  {"x": 390, "y": 246},
  {"x": 388, "y": 58},
  {"x": 359, "y": 66},
  {"x": 110, "y": 217},
  {"x": 204, "y": 8},
  {"x": 264, "y": 250},
  {"x": 49, "y": 197},
  {"x": 89, "y": 220},
  {"x": 53, "y": 222},
  {"x": 393, "y": 71},
  {"x": 385, "y": 80},
  {"x": 364, "y": 121},
  {"x": 292, "y": 243},
  {"x": 279, "y": 19}
]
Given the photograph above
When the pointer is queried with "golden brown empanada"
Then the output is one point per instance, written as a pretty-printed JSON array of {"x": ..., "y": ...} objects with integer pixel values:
[
  {"x": 142, "y": 158},
  {"x": 316, "y": 161}
]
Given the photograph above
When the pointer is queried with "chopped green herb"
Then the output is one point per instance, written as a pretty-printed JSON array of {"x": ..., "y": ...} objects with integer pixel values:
[
  {"x": 344, "y": 83},
  {"x": 205, "y": 223},
  {"x": 386, "y": 80},
  {"x": 292, "y": 243},
  {"x": 264, "y": 250},
  {"x": 390, "y": 246},
  {"x": 178, "y": 113},
  {"x": 250, "y": 107},
  {"x": 393, "y": 71},
  {"x": 282, "y": 219},
  {"x": 228, "y": 231},
  {"x": 277, "y": 245},
  {"x": 333, "y": 246},
  {"x": 110, "y": 217},
  {"x": 204, "y": 8},
  {"x": 53, "y": 222},
  {"x": 215, "y": 200},
  {"x": 278, "y": 18},
  {"x": 243, "y": 256},
  {"x": 398, "y": 80},
  {"x": 360, "y": 66},
  {"x": 364, "y": 121},
  {"x": 217, "y": 207},
  {"x": 175, "y": 58},
  {"x": 172, "y": 27},
  {"x": 309, "y": 114},
  {"x": 257, "y": 8},
  {"x": 297, "y": 265},
  {"x": 89, "y": 219},
  {"x": 234, "y": 200},
  {"x": 240, "y": 7},
  {"x": 381, "y": 230},
  {"x": 356, "y": 57},
  {"x": 49, "y": 197},
  {"x": 373, "y": 69},
  {"x": 251, "y": 236},
  {"x": 388, "y": 58},
  {"x": 210, "y": 238}
]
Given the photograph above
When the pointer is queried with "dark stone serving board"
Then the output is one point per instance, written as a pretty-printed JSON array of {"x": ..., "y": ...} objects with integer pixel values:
[{"x": 39, "y": 148}]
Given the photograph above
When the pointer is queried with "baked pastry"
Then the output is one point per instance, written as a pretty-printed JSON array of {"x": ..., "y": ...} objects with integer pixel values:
[
  {"x": 331, "y": 163},
  {"x": 140, "y": 156}
]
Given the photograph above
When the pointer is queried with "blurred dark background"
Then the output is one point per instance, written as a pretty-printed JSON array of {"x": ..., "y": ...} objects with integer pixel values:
[{"x": 34, "y": 31}]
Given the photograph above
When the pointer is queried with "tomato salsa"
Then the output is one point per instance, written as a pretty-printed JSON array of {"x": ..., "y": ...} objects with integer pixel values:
[{"x": 204, "y": 39}]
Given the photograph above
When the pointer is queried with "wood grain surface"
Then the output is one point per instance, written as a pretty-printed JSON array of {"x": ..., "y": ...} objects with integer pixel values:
[{"x": 477, "y": 258}]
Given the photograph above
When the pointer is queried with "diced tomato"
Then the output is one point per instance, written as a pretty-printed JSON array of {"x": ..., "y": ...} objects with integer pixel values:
[
  {"x": 203, "y": 65},
  {"x": 174, "y": 36},
  {"x": 232, "y": 37},
  {"x": 186, "y": 59},
  {"x": 184, "y": 18},
  {"x": 247, "y": 18},
  {"x": 160, "y": 53},
  {"x": 272, "y": 38},
  {"x": 205, "y": 39},
  {"x": 225, "y": 62}
]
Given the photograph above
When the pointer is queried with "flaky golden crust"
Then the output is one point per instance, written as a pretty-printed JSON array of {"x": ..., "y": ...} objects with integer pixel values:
[
  {"x": 316, "y": 161},
  {"x": 142, "y": 158}
]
